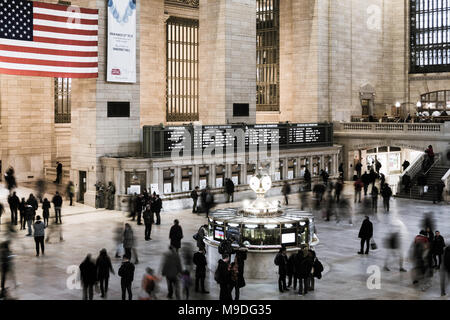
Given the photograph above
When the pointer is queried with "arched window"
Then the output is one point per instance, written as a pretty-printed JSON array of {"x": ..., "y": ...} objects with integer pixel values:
[
  {"x": 430, "y": 36},
  {"x": 437, "y": 100}
]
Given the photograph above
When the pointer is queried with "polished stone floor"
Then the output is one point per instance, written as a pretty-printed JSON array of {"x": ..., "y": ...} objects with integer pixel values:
[{"x": 87, "y": 230}]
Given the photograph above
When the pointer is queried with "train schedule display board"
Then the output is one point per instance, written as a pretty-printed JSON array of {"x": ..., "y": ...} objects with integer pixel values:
[{"x": 162, "y": 141}]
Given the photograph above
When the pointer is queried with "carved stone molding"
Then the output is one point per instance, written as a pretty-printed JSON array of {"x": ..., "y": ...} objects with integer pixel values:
[{"x": 190, "y": 3}]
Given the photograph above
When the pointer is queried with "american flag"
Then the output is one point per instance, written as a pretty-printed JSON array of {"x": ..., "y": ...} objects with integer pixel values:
[{"x": 48, "y": 40}]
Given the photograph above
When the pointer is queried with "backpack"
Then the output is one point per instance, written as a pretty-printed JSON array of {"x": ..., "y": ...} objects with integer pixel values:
[
  {"x": 195, "y": 236},
  {"x": 277, "y": 260},
  {"x": 217, "y": 275},
  {"x": 225, "y": 247}
]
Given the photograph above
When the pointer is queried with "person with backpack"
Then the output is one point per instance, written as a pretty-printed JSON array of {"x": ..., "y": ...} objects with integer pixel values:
[
  {"x": 39, "y": 235},
  {"x": 199, "y": 260},
  {"x": 194, "y": 196},
  {"x": 281, "y": 261},
  {"x": 223, "y": 278}
]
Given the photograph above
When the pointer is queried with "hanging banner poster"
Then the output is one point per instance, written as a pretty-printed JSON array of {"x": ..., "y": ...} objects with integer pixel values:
[{"x": 121, "y": 41}]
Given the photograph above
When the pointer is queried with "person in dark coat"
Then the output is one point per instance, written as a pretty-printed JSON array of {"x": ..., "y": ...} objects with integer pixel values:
[
  {"x": 126, "y": 273},
  {"x": 229, "y": 190},
  {"x": 59, "y": 171},
  {"x": 438, "y": 188},
  {"x": 171, "y": 269},
  {"x": 104, "y": 267},
  {"x": 199, "y": 260},
  {"x": 406, "y": 182},
  {"x": 132, "y": 206},
  {"x": 46, "y": 211},
  {"x": 421, "y": 182},
  {"x": 373, "y": 177},
  {"x": 374, "y": 199},
  {"x": 281, "y": 261},
  {"x": 438, "y": 249},
  {"x": 307, "y": 178},
  {"x": 405, "y": 165},
  {"x": 224, "y": 278},
  {"x": 29, "y": 217},
  {"x": 358, "y": 168},
  {"x": 88, "y": 275},
  {"x": 194, "y": 196},
  {"x": 239, "y": 260},
  {"x": 57, "y": 204},
  {"x": 386, "y": 193},
  {"x": 365, "y": 178},
  {"x": 304, "y": 272},
  {"x": 128, "y": 243},
  {"x": 139, "y": 204},
  {"x": 32, "y": 201},
  {"x": 201, "y": 234},
  {"x": 148, "y": 221},
  {"x": 377, "y": 166},
  {"x": 338, "y": 189},
  {"x": 14, "y": 202},
  {"x": 286, "y": 190},
  {"x": 175, "y": 235},
  {"x": 208, "y": 201},
  {"x": 22, "y": 207},
  {"x": 324, "y": 176},
  {"x": 39, "y": 235},
  {"x": 156, "y": 207},
  {"x": 445, "y": 271},
  {"x": 365, "y": 234},
  {"x": 290, "y": 270},
  {"x": 341, "y": 171},
  {"x": 5, "y": 263}
]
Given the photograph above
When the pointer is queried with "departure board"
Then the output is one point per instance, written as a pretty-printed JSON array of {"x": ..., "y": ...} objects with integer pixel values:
[{"x": 162, "y": 141}]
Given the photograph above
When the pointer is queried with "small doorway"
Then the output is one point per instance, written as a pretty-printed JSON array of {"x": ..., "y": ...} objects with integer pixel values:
[{"x": 82, "y": 184}]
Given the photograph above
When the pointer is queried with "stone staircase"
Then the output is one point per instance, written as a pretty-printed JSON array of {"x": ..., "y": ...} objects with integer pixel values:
[{"x": 434, "y": 175}]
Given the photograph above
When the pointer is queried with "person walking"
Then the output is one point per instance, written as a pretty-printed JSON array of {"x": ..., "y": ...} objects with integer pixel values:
[
  {"x": 194, "y": 196},
  {"x": 46, "y": 211},
  {"x": 386, "y": 193},
  {"x": 39, "y": 235},
  {"x": 171, "y": 269},
  {"x": 70, "y": 191},
  {"x": 200, "y": 236},
  {"x": 290, "y": 270},
  {"x": 365, "y": 234},
  {"x": 358, "y": 168},
  {"x": 29, "y": 216},
  {"x": 239, "y": 260},
  {"x": 229, "y": 190},
  {"x": 223, "y": 277},
  {"x": 88, "y": 276},
  {"x": 437, "y": 249},
  {"x": 148, "y": 221},
  {"x": 128, "y": 243},
  {"x": 445, "y": 271},
  {"x": 148, "y": 285},
  {"x": 126, "y": 274},
  {"x": 307, "y": 178},
  {"x": 405, "y": 165},
  {"x": 374, "y": 194},
  {"x": 358, "y": 187},
  {"x": 199, "y": 260},
  {"x": 14, "y": 202},
  {"x": 392, "y": 245},
  {"x": 286, "y": 190},
  {"x": 208, "y": 201},
  {"x": 6, "y": 265},
  {"x": 32, "y": 201},
  {"x": 57, "y": 204},
  {"x": 365, "y": 178},
  {"x": 175, "y": 235},
  {"x": 22, "y": 209},
  {"x": 104, "y": 268},
  {"x": 377, "y": 166},
  {"x": 281, "y": 261}
]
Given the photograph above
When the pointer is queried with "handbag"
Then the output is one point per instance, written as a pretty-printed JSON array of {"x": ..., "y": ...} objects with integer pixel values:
[{"x": 373, "y": 244}]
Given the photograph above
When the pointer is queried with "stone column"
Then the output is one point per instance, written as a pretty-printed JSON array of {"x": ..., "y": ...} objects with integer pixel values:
[{"x": 227, "y": 57}]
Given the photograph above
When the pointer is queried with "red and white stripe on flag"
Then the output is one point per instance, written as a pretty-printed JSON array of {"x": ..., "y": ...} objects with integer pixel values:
[{"x": 64, "y": 42}]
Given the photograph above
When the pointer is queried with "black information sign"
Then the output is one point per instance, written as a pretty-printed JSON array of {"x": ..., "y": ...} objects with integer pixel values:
[{"x": 162, "y": 141}]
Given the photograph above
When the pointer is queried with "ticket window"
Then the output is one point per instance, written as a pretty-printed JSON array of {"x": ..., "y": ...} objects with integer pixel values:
[
  {"x": 292, "y": 169},
  {"x": 303, "y": 165},
  {"x": 316, "y": 166},
  {"x": 251, "y": 170},
  {"x": 236, "y": 174},
  {"x": 220, "y": 176},
  {"x": 328, "y": 165},
  {"x": 203, "y": 177},
  {"x": 135, "y": 181},
  {"x": 186, "y": 179},
  {"x": 279, "y": 171},
  {"x": 168, "y": 179}
]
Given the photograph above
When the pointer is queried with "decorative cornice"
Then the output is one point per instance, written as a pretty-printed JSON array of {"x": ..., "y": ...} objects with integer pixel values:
[{"x": 189, "y": 3}]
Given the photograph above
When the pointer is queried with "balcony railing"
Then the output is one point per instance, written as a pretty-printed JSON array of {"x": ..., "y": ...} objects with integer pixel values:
[{"x": 387, "y": 127}]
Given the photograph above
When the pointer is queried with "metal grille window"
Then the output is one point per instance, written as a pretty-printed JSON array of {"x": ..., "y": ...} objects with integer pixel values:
[
  {"x": 182, "y": 69},
  {"x": 267, "y": 55},
  {"x": 63, "y": 87},
  {"x": 430, "y": 36}
]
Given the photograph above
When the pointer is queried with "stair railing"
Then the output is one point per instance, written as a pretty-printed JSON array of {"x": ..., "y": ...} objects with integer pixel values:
[
  {"x": 412, "y": 170},
  {"x": 437, "y": 160}
]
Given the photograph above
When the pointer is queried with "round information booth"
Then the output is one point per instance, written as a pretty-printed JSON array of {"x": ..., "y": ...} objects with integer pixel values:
[{"x": 263, "y": 227}]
